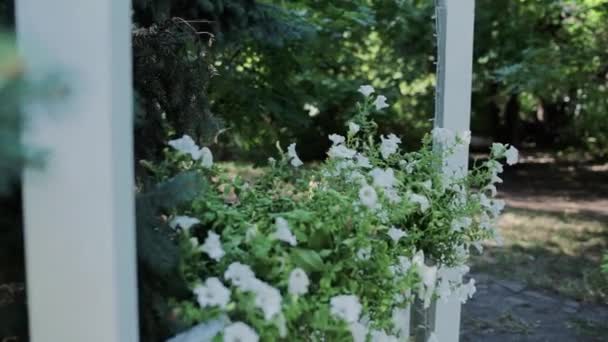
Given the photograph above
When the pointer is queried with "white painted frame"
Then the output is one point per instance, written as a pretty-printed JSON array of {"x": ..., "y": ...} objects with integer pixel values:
[
  {"x": 455, "y": 26},
  {"x": 79, "y": 210}
]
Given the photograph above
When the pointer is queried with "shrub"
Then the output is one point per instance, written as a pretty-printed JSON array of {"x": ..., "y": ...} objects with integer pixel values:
[{"x": 332, "y": 252}]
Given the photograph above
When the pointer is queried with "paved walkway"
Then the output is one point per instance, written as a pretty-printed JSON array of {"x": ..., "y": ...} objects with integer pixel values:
[{"x": 508, "y": 311}]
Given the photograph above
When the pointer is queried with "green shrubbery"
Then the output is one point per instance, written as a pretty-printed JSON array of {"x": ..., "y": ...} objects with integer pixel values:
[{"x": 336, "y": 251}]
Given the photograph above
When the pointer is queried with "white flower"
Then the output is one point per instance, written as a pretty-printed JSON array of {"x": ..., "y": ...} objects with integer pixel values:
[
  {"x": 341, "y": 151},
  {"x": 311, "y": 109},
  {"x": 353, "y": 128},
  {"x": 213, "y": 246},
  {"x": 498, "y": 150},
  {"x": 186, "y": 145},
  {"x": 239, "y": 274},
  {"x": 383, "y": 178},
  {"x": 396, "y": 234},
  {"x": 464, "y": 137},
  {"x": 512, "y": 155},
  {"x": 298, "y": 282},
  {"x": 366, "y": 90},
  {"x": 420, "y": 200},
  {"x": 418, "y": 259},
  {"x": 466, "y": 291},
  {"x": 346, "y": 307},
  {"x": 184, "y": 222},
  {"x": 283, "y": 232},
  {"x": 293, "y": 156},
  {"x": 389, "y": 145},
  {"x": 380, "y": 102},
  {"x": 267, "y": 298},
  {"x": 392, "y": 195},
  {"x": 382, "y": 336},
  {"x": 491, "y": 188},
  {"x": 364, "y": 253},
  {"x": 368, "y": 197},
  {"x": 461, "y": 223},
  {"x": 401, "y": 320},
  {"x": 362, "y": 161},
  {"x": 401, "y": 267},
  {"x": 443, "y": 136},
  {"x": 356, "y": 176},
  {"x": 240, "y": 332},
  {"x": 358, "y": 331},
  {"x": 206, "y": 157},
  {"x": 336, "y": 139},
  {"x": 212, "y": 293},
  {"x": 428, "y": 275},
  {"x": 497, "y": 207},
  {"x": 428, "y": 184}
]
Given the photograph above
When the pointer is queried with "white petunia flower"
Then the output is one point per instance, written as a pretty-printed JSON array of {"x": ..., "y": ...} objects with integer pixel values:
[
  {"x": 336, "y": 139},
  {"x": 298, "y": 282},
  {"x": 213, "y": 246},
  {"x": 212, "y": 293},
  {"x": 498, "y": 150},
  {"x": 368, "y": 197},
  {"x": 383, "y": 178},
  {"x": 428, "y": 184},
  {"x": 346, "y": 307},
  {"x": 311, "y": 109},
  {"x": 466, "y": 291},
  {"x": 206, "y": 157},
  {"x": 512, "y": 155},
  {"x": 184, "y": 222},
  {"x": 443, "y": 136},
  {"x": 341, "y": 151},
  {"x": 283, "y": 232},
  {"x": 461, "y": 223},
  {"x": 186, "y": 145},
  {"x": 401, "y": 267},
  {"x": 428, "y": 275},
  {"x": 382, "y": 336},
  {"x": 392, "y": 195},
  {"x": 239, "y": 274},
  {"x": 497, "y": 207},
  {"x": 380, "y": 102},
  {"x": 293, "y": 156},
  {"x": 364, "y": 253},
  {"x": 366, "y": 90},
  {"x": 464, "y": 137},
  {"x": 389, "y": 145},
  {"x": 240, "y": 332},
  {"x": 362, "y": 161},
  {"x": 358, "y": 331},
  {"x": 396, "y": 234},
  {"x": 421, "y": 200},
  {"x": 418, "y": 259},
  {"x": 401, "y": 321},
  {"x": 267, "y": 298},
  {"x": 353, "y": 128}
]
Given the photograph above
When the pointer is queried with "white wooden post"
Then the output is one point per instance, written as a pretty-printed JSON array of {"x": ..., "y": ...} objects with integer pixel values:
[
  {"x": 79, "y": 210},
  {"x": 455, "y": 23}
]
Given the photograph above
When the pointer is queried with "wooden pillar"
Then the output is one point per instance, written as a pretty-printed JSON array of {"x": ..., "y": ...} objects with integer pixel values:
[
  {"x": 455, "y": 23},
  {"x": 79, "y": 209}
]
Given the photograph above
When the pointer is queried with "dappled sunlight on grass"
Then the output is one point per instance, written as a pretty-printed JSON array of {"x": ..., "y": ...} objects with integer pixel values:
[{"x": 556, "y": 251}]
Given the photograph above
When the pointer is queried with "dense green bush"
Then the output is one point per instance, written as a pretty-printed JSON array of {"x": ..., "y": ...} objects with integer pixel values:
[{"x": 334, "y": 252}]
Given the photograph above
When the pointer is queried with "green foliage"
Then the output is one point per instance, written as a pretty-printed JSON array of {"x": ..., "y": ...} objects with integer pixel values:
[{"x": 159, "y": 254}]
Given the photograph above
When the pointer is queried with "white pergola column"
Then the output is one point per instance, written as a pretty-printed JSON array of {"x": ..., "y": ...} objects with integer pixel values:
[
  {"x": 79, "y": 209},
  {"x": 455, "y": 23}
]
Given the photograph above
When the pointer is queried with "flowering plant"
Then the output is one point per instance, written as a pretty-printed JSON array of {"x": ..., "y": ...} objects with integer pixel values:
[{"x": 336, "y": 252}]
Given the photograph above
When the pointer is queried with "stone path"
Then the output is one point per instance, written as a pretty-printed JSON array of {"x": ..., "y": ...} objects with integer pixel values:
[{"x": 508, "y": 311}]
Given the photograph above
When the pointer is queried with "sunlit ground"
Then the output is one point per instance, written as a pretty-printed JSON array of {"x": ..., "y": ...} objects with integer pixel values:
[{"x": 555, "y": 251}]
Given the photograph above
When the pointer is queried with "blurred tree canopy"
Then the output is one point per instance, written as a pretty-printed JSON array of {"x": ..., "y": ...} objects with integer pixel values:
[{"x": 288, "y": 70}]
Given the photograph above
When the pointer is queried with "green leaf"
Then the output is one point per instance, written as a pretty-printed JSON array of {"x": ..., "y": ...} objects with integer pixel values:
[{"x": 307, "y": 259}]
